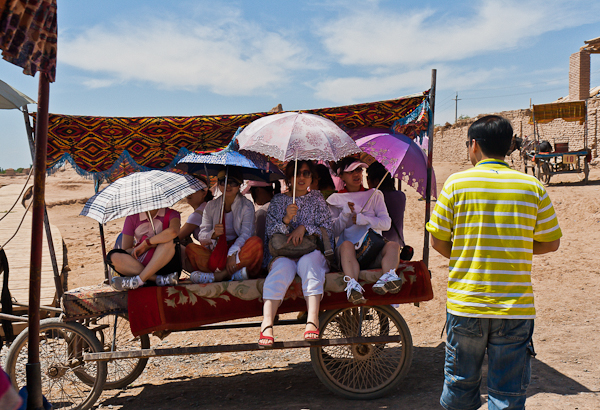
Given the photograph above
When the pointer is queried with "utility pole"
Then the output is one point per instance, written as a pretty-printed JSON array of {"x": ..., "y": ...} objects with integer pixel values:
[{"x": 456, "y": 100}]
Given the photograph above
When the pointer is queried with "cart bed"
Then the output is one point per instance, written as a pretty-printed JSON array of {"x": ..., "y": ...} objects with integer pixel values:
[{"x": 188, "y": 305}]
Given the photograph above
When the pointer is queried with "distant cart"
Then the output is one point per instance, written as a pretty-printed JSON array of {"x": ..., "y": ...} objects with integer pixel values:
[{"x": 562, "y": 159}]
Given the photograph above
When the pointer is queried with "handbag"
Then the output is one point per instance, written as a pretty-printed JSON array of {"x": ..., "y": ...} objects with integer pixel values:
[
  {"x": 279, "y": 246},
  {"x": 370, "y": 247}
]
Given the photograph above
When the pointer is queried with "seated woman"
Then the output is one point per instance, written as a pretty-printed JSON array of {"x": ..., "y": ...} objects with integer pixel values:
[
  {"x": 351, "y": 224},
  {"x": 324, "y": 183},
  {"x": 197, "y": 201},
  {"x": 395, "y": 201},
  {"x": 262, "y": 193},
  {"x": 150, "y": 250},
  {"x": 305, "y": 217},
  {"x": 244, "y": 251}
]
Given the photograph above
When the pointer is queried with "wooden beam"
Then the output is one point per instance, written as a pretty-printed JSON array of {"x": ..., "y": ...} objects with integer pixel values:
[{"x": 143, "y": 353}]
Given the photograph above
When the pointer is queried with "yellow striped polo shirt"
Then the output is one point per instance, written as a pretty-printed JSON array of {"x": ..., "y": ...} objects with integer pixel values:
[{"x": 492, "y": 214}]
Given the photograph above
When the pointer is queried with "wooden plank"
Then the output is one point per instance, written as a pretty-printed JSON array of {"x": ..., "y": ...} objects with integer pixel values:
[
  {"x": 18, "y": 250},
  {"x": 131, "y": 354}
]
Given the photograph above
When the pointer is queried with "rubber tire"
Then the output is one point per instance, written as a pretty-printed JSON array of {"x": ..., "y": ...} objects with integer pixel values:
[
  {"x": 545, "y": 173},
  {"x": 47, "y": 327},
  {"x": 319, "y": 355},
  {"x": 116, "y": 378}
]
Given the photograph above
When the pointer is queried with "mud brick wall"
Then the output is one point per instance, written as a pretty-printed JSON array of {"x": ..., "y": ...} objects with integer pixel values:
[{"x": 449, "y": 140}]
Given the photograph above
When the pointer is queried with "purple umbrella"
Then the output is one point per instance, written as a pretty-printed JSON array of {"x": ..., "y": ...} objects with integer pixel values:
[{"x": 402, "y": 157}]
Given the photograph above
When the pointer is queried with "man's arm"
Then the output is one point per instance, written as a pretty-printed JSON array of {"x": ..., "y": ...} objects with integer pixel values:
[
  {"x": 443, "y": 247},
  {"x": 540, "y": 248}
]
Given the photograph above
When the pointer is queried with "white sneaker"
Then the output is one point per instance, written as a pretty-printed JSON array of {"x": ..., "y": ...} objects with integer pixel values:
[
  {"x": 242, "y": 274},
  {"x": 168, "y": 280},
  {"x": 354, "y": 292},
  {"x": 202, "y": 277},
  {"x": 122, "y": 283},
  {"x": 388, "y": 282}
]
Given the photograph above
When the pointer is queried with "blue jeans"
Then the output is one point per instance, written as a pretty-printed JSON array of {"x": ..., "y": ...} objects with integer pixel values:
[{"x": 509, "y": 349}]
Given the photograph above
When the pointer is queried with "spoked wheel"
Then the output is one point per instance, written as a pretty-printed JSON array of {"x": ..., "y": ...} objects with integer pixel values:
[
  {"x": 122, "y": 372},
  {"x": 363, "y": 371},
  {"x": 62, "y": 345},
  {"x": 544, "y": 174}
]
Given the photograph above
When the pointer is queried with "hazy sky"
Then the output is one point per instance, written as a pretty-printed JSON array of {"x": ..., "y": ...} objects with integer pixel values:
[{"x": 148, "y": 58}]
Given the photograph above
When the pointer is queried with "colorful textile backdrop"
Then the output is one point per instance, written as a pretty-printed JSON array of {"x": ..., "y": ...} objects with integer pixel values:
[
  {"x": 28, "y": 35},
  {"x": 106, "y": 148}
]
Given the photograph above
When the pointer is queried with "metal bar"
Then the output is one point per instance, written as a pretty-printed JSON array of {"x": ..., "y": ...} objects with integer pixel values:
[
  {"x": 102, "y": 240},
  {"x": 430, "y": 132},
  {"x": 179, "y": 351},
  {"x": 42, "y": 308},
  {"x": 57, "y": 280},
  {"x": 33, "y": 370},
  {"x": 6, "y": 316}
]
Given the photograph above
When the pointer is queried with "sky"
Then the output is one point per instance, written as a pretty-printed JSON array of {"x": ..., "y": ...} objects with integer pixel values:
[{"x": 157, "y": 58}]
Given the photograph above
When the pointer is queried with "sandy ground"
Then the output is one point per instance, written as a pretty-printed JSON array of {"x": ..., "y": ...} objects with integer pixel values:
[{"x": 566, "y": 371}]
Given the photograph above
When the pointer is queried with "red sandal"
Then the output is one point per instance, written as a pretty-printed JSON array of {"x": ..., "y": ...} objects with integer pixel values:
[
  {"x": 312, "y": 332},
  {"x": 262, "y": 337}
]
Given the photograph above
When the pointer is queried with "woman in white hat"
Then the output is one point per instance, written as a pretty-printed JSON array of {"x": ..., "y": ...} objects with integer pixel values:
[{"x": 356, "y": 210}]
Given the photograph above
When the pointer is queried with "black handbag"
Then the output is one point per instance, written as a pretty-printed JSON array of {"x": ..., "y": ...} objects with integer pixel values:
[{"x": 371, "y": 245}]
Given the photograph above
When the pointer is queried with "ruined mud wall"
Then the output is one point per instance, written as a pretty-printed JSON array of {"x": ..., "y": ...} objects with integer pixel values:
[{"x": 449, "y": 140}]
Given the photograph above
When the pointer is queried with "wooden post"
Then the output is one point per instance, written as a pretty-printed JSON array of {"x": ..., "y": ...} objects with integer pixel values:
[
  {"x": 429, "y": 165},
  {"x": 34, "y": 379}
]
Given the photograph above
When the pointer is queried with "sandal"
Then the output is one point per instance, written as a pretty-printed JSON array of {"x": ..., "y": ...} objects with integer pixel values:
[
  {"x": 269, "y": 339},
  {"x": 308, "y": 333}
]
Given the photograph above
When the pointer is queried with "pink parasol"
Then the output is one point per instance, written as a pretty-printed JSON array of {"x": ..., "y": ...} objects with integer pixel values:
[{"x": 402, "y": 157}]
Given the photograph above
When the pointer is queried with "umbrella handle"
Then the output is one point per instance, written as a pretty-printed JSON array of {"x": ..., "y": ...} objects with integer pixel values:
[
  {"x": 373, "y": 193},
  {"x": 224, "y": 190},
  {"x": 295, "y": 177}
]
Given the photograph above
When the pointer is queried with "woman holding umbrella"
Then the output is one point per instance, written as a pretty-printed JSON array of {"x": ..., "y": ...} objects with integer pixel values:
[
  {"x": 356, "y": 212},
  {"x": 227, "y": 223},
  {"x": 149, "y": 250},
  {"x": 297, "y": 218}
]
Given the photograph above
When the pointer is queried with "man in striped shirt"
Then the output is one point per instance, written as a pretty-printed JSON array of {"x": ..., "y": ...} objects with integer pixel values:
[{"x": 489, "y": 221}]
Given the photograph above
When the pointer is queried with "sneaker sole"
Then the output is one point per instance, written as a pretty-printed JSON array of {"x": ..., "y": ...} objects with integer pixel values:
[
  {"x": 357, "y": 298},
  {"x": 393, "y": 286},
  {"x": 380, "y": 290}
]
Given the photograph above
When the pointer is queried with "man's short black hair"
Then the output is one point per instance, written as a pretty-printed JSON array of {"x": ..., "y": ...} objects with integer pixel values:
[{"x": 493, "y": 134}]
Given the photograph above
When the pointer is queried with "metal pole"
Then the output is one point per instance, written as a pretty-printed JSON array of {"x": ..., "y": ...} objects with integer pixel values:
[
  {"x": 429, "y": 165},
  {"x": 57, "y": 280},
  {"x": 102, "y": 240},
  {"x": 34, "y": 380},
  {"x": 456, "y": 100}
]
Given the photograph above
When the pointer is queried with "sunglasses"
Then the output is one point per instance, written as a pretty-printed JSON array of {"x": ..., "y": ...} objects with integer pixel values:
[
  {"x": 232, "y": 183},
  {"x": 305, "y": 174},
  {"x": 468, "y": 143}
]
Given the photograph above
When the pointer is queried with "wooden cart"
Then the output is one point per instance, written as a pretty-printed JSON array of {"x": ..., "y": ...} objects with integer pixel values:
[
  {"x": 364, "y": 351},
  {"x": 100, "y": 342},
  {"x": 563, "y": 159}
]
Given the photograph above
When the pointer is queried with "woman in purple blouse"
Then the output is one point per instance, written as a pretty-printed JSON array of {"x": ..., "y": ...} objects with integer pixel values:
[{"x": 306, "y": 216}]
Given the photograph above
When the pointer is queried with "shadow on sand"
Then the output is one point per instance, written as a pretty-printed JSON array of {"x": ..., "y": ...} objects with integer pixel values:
[{"x": 297, "y": 387}]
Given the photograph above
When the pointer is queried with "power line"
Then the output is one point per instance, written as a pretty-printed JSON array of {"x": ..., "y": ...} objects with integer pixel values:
[{"x": 513, "y": 95}]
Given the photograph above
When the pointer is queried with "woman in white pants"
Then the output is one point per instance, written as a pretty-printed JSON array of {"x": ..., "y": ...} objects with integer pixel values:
[{"x": 306, "y": 216}]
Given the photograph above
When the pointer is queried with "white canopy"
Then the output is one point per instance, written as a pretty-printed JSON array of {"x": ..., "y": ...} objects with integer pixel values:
[{"x": 11, "y": 98}]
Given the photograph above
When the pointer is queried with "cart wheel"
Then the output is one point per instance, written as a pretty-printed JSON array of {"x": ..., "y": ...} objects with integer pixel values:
[
  {"x": 61, "y": 347},
  {"x": 122, "y": 372},
  {"x": 363, "y": 371},
  {"x": 545, "y": 173}
]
